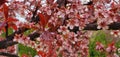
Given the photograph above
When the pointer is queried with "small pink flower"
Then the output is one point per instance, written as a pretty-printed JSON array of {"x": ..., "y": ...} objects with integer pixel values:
[
  {"x": 99, "y": 46},
  {"x": 63, "y": 29},
  {"x": 32, "y": 44},
  {"x": 16, "y": 37},
  {"x": 118, "y": 50},
  {"x": 111, "y": 48},
  {"x": 102, "y": 24},
  {"x": 49, "y": 12},
  {"x": 72, "y": 23},
  {"x": 116, "y": 33}
]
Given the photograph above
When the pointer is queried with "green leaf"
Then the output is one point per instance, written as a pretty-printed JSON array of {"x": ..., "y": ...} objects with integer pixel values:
[{"x": 26, "y": 50}]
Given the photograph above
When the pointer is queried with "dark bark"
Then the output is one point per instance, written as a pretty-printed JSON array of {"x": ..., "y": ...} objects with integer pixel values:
[
  {"x": 6, "y": 28},
  {"x": 35, "y": 18},
  {"x": 23, "y": 29},
  {"x": 61, "y": 3},
  {"x": 34, "y": 35},
  {"x": 8, "y": 54},
  {"x": 6, "y": 43},
  {"x": 93, "y": 26}
]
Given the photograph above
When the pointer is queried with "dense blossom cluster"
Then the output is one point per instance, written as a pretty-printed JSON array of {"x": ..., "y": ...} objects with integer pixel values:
[{"x": 57, "y": 22}]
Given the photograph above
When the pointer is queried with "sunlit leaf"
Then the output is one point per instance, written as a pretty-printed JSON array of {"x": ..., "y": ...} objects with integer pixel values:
[
  {"x": 5, "y": 9},
  {"x": 41, "y": 53},
  {"x": 10, "y": 19},
  {"x": 42, "y": 20}
]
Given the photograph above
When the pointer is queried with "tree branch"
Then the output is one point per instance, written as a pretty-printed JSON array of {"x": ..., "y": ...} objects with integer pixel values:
[
  {"x": 113, "y": 26},
  {"x": 8, "y": 54},
  {"x": 6, "y": 28},
  {"x": 6, "y": 43},
  {"x": 61, "y": 3},
  {"x": 9, "y": 39},
  {"x": 93, "y": 26},
  {"x": 22, "y": 29},
  {"x": 34, "y": 35}
]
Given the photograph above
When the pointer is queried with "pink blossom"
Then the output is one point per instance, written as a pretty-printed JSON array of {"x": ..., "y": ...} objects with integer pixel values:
[
  {"x": 116, "y": 33},
  {"x": 99, "y": 46}
]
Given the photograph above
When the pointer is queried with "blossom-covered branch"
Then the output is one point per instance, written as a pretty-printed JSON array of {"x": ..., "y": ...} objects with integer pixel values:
[{"x": 113, "y": 26}]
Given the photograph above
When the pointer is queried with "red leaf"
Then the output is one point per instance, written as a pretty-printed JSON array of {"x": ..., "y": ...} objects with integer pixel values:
[
  {"x": 5, "y": 10},
  {"x": 41, "y": 53},
  {"x": 12, "y": 25},
  {"x": 10, "y": 19},
  {"x": 2, "y": 2},
  {"x": 42, "y": 20},
  {"x": 112, "y": 44}
]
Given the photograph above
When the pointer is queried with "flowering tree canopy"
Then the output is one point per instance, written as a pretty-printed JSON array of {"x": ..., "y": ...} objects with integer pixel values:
[{"x": 57, "y": 27}]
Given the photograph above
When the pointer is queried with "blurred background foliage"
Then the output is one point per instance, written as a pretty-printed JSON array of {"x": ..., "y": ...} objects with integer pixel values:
[{"x": 105, "y": 38}]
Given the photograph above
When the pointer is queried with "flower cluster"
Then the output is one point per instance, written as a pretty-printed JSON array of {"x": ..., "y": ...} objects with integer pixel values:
[
  {"x": 110, "y": 49},
  {"x": 57, "y": 25},
  {"x": 99, "y": 46}
]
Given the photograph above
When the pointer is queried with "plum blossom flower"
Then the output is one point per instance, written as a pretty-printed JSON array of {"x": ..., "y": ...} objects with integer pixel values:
[
  {"x": 112, "y": 55},
  {"x": 36, "y": 56},
  {"x": 49, "y": 12},
  {"x": 102, "y": 24},
  {"x": 53, "y": 20},
  {"x": 16, "y": 37},
  {"x": 72, "y": 23},
  {"x": 99, "y": 46},
  {"x": 60, "y": 14},
  {"x": 11, "y": 49},
  {"x": 116, "y": 33},
  {"x": 1, "y": 32},
  {"x": 32, "y": 44},
  {"x": 63, "y": 29},
  {"x": 38, "y": 47},
  {"x": 85, "y": 1},
  {"x": 118, "y": 50},
  {"x": 111, "y": 48}
]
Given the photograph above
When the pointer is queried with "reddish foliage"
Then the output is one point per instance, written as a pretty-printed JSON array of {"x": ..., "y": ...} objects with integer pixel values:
[
  {"x": 2, "y": 2},
  {"x": 60, "y": 24},
  {"x": 43, "y": 19},
  {"x": 41, "y": 53},
  {"x": 5, "y": 10},
  {"x": 10, "y": 19}
]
